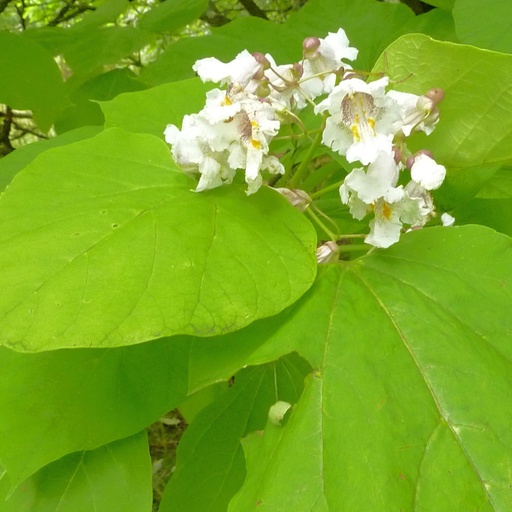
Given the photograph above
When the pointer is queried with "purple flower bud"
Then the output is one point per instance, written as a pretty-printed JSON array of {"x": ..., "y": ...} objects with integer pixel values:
[
  {"x": 397, "y": 154},
  {"x": 310, "y": 46},
  {"x": 425, "y": 152},
  {"x": 409, "y": 162},
  {"x": 436, "y": 95},
  {"x": 261, "y": 59}
]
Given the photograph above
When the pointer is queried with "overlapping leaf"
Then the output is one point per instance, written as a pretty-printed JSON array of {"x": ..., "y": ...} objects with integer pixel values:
[
  {"x": 410, "y": 407},
  {"x": 60, "y": 402},
  {"x": 113, "y": 477},
  {"x": 210, "y": 465},
  {"x": 476, "y": 115},
  {"x": 484, "y": 24},
  {"x": 105, "y": 244}
]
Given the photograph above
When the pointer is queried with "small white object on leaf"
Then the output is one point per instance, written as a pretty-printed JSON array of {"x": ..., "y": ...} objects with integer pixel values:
[{"x": 277, "y": 411}]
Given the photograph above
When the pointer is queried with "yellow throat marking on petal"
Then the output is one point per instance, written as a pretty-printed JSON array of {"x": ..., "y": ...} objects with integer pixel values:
[
  {"x": 387, "y": 211},
  {"x": 255, "y": 143}
]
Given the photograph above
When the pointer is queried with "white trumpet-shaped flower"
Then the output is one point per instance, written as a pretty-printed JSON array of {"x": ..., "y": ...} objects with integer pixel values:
[{"x": 362, "y": 119}]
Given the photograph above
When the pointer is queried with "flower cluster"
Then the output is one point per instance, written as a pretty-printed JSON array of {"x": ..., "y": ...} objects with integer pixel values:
[{"x": 363, "y": 121}]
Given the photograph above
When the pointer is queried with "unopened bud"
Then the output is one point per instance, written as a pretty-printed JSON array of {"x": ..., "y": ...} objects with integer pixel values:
[
  {"x": 436, "y": 95},
  {"x": 261, "y": 59},
  {"x": 310, "y": 46},
  {"x": 328, "y": 252},
  {"x": 297, "y": 69},
  {"x": 425, "y": 152},
  {"x": 263, "y": 89},
  {"x": 397, "y": 154},
  {"x": 296, "y": 197},
  {"x": 410, "y": 162}
]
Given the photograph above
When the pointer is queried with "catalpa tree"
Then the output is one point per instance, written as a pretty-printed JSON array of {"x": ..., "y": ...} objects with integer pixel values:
[{"x": 298, "y": 234}]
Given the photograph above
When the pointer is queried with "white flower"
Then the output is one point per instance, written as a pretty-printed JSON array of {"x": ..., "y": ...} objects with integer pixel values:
[
  {"x": 238, "y": 71},
  {"x": 232, "y": 132},
  {"x": 327, "y": 58},
  {"x": 427, "y": 172},
  {"x": 417, "y": 113},
  {"x": 390, "y": 215},
  {"x": 361, "y": 122},
  {"x": 447, "y": 219},
  {"x": 377, "y": 181}
]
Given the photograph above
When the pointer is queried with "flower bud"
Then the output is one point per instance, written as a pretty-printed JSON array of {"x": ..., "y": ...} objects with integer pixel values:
[
  {"x": 328, "y": 252},
  {"x": 397, "y": 154},
  {"x": 409, "y": 162},
  {"x": 263, "y": 89},
  {"x": 297, "y": 70},
  {"x": 310, "y": 46},
  {"x": 296, "y": 197},
  {"x": 436, "y": 95},
  {"x": 262, "y": 60},
  {"x": 425, "y": 152}
]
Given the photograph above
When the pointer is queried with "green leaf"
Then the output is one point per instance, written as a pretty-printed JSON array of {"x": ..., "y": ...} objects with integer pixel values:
[
  {"x": 410, "y": 407},
  {"x": 31, "y": 79},
  {"x": 495, "y": 213},
  {"x": 210, "y": 464},
  {"x": 87, "y": 50},
  {"x": 250, "y": 33},
  {"x": 108, "y": 85},
  {"x": 14, "y": 162},
  {"x": 475, "y": 127},
  {"x": 370, "y": 25},
  {"x": 436, "y": 23},
  {"x": 172, "y": 15},
  {"x": 106, "y": 12},
  {"x": 127, "y": 252},
  {"x": 484, "y": 24},
  {"x": 81, "y": 399},
  {"x": 443, "y": 4},
  {"x": 114, "y": 477},
  {"x": 152, "y": 110}
]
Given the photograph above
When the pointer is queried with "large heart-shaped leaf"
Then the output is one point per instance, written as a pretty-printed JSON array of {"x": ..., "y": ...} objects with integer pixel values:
[
  {"x": 105, "y": 244},
  {"x": 410, "y": 407},
  {"x": 475, "y": 127}
]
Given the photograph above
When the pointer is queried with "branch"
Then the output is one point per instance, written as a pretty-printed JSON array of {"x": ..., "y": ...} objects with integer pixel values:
[
  {"x": 5, "y": 131},
  {"x": 253, "y": 9}
]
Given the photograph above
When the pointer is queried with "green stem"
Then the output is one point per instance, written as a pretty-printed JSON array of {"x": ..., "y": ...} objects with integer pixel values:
[
  {"x": 348, "y": 237},
  {"x": 303, "y": 167},
  {"x": 354, "y": 248},
  {"x": 327, "y": 231},
  {"x": 323, "y": 191}
]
